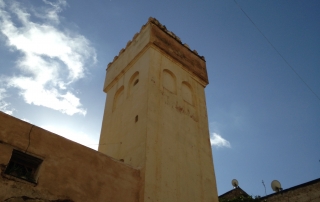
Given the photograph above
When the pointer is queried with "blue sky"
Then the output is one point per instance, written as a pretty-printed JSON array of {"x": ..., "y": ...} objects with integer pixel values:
[{"x": 264, "y": 120}]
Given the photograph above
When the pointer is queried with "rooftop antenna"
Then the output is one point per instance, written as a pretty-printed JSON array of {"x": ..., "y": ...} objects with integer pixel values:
[
  {"x": 265, "y": 191},
  {"x": 235, "y": 183},
  {"x": 276, "y": 186}
]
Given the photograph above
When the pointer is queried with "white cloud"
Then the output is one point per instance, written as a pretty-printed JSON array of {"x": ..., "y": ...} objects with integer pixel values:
[
  {"x": 217, "y": 141},
  {"x": 78, "y": 137},
  {"x": 5, "y": 106},
  {"x": 52, "y": 59},
  {"x": 56, "y": 8}
]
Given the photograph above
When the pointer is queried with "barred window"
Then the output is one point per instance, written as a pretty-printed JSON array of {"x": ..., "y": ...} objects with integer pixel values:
[{"x": 23, "y": 166}]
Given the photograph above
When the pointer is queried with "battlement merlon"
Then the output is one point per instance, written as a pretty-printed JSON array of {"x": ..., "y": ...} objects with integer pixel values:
[{"x": 155, "y": 34}]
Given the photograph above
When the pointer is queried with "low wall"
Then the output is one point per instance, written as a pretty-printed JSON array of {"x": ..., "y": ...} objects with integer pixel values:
[{"x": 68, "y": 172}]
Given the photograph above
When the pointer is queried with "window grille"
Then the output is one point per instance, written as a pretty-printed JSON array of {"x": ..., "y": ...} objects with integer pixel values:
[{"x": 23, "y": 166}]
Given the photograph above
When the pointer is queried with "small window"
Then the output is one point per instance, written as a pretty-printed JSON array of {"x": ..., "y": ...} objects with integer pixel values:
[
  {"x": 135, "y": 82},
  {"x": 136, "y": 119},
  {"x": 23, "y": 166}
]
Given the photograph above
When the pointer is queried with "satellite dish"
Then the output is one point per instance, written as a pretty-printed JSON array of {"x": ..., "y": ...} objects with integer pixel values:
[
  {"x": 276, "y": 186},
  {"x": 235, "y": 183}
]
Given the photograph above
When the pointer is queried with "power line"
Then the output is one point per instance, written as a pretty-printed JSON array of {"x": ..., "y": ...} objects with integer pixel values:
[{"x": 276, "y": 50}]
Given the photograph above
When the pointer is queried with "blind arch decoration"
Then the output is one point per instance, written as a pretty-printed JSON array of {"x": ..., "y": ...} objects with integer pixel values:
[
  {"x": 169, "y": 81},
  {"x": 118, "y": 98},
  {"x": 187, "y": 93}
]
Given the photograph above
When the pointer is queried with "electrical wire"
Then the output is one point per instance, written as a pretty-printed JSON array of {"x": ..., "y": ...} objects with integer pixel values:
[{"x": 276, "y": 50}]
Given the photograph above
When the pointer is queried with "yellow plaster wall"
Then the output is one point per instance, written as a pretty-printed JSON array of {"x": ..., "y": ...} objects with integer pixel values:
[
  {"x": 122, "y": 137},
  {"x": 170, "y": 142},
  {"x": 179, "y": 164},
  {"x": 68, "y": 171}
]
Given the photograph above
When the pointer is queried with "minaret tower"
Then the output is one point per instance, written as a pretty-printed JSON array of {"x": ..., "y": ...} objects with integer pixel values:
[{"x": 155, "y": 117}]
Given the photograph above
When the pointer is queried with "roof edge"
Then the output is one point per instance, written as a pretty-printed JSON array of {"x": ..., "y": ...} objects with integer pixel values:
[{"x": 162, "y": 27}]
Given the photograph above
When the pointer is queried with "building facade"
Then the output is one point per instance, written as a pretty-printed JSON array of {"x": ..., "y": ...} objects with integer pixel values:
[
  {"x": 154, "y": 143},
  {"x": 155, "y": 116},
  {"x": 306, "y": 192}
]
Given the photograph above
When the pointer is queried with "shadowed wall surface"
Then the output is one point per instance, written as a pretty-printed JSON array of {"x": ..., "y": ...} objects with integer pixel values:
[{"x": 69, "y": 171}]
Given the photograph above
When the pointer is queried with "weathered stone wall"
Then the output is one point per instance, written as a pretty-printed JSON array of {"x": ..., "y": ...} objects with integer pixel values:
[
  {"x": 69, "y": 171},
  {"x": 308, "y": 192}
]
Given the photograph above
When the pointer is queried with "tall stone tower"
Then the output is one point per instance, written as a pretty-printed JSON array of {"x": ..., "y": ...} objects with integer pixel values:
[{"x": 155, "y": 117}]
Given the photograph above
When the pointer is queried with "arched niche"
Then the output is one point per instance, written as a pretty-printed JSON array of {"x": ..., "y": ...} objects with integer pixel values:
[
  {"x": 118, "y": 98},
  {"x": 133, "y": 82},
  {"x": 187, "y": 93},
  {"x": 169, "y": 81}
]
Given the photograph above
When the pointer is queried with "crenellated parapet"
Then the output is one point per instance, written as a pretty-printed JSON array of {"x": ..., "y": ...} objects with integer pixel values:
[
  {"x": 162, "y": 27},
  {"x": 156, "y": 34}
]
